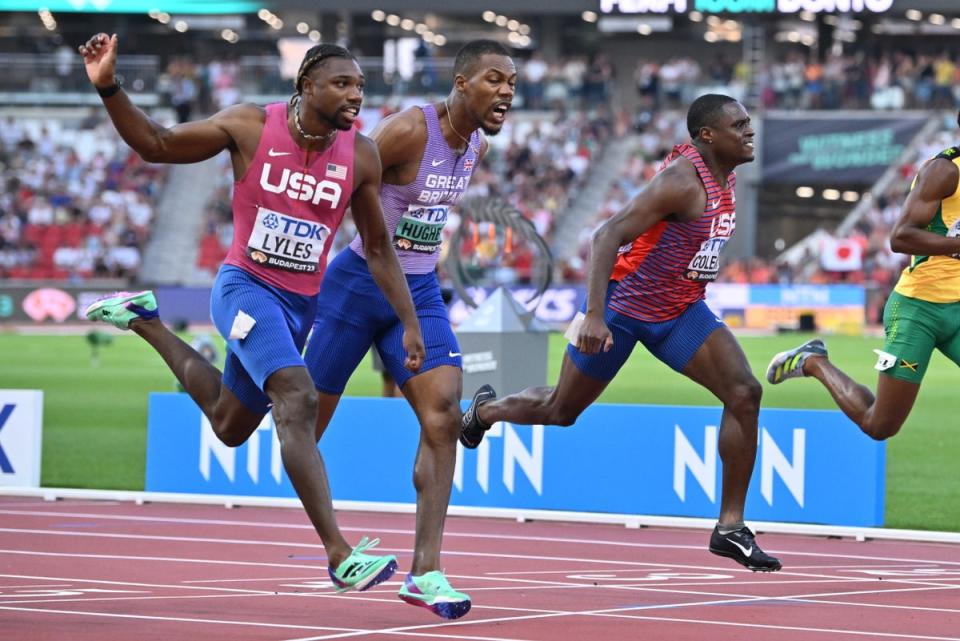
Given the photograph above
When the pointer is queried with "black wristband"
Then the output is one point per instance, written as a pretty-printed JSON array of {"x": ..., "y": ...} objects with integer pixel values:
[{"x": 106, "y": 92}]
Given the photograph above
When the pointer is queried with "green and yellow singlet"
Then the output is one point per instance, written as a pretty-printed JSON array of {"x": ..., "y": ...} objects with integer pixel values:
[{"x": 936, "y": 279}]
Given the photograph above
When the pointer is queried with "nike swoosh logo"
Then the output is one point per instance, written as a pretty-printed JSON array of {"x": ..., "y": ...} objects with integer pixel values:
[
  {"x": 437, "y": 163},
  {"x": 746, "y": 551},
  {"x": 274, "y": 154},
  {"x": 453, "y": 354},
  {"x": 716, "y": 204}
]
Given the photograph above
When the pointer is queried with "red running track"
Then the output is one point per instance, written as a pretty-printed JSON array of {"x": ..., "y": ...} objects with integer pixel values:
[{"x": 104, "y": 571}]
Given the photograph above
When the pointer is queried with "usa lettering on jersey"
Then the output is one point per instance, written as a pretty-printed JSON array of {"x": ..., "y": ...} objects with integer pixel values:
[{"x": 300, "y": 186}]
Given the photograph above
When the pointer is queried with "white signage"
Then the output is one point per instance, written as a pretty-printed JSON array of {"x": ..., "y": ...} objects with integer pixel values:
[{"x": 21, "y": 424}]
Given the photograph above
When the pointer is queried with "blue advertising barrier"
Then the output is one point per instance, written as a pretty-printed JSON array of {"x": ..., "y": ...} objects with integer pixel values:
[{"x": 813, "y": 466}]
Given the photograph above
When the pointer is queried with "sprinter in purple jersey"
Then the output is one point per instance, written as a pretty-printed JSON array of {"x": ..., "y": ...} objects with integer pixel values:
[
  {"x": 428, "y": 155},
  {"x": 298, "y": 166}
]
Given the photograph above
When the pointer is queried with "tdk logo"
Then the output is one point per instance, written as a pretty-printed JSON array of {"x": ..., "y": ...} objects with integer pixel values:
[
  {"x": 300, "y": 186},
  {"x": 296, "y": 228}
]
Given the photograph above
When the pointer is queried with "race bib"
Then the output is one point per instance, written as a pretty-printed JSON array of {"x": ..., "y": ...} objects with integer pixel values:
[
  {"x": 421, "y": 229},
  {"x": 706, "y": 262},
  {"x": 286, "y": 242},
  {"x": 885, "y": 360}
]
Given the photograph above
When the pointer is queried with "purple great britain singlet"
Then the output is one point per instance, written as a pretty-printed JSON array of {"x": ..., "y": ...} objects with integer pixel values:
[{"x": 416, "y": 213}]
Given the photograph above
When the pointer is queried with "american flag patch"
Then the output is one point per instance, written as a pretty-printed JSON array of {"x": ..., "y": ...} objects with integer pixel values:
[
  {"x": 336, "y": 171},
  {"x": 468, "y": 164}
]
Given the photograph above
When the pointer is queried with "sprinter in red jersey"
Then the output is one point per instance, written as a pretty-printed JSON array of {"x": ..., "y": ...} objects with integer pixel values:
[
  {"x": 649, "y": 267},
  {"x": 298, "y": 166}
]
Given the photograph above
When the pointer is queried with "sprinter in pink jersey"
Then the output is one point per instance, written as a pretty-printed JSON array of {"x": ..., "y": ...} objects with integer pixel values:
[
  {"x": 298, "y": 166},
  {"x": 649, "y": 267}
]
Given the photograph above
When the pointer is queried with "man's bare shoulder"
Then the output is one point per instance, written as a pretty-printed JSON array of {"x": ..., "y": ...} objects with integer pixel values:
[
  {"x": 402, "y": 127},
  {"x": 246, "y": 112},
  {"x": 680, "y": 176}
]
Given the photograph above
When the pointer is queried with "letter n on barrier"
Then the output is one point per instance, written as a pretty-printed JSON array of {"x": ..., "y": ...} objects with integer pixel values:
[
  {"x": 772, "y": 458},
  {"x": 703, "y": 469}
]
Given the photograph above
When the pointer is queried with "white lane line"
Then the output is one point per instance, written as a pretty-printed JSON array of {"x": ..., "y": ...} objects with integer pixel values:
[
  {"x": 539, "y": 614},
  {"x": 165, "y": 559},
  {"x": 146, "y": 617},
  {"x": 271, "y": 578},
  {"x": 492, "y": 536},
  {"x": 256, "y": 624}
]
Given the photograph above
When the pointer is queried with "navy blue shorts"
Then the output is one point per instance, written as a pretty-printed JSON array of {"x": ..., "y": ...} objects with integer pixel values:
[
  {"x": 275, "y": 340},
  {"x": 353, "y": 314},
  {"x": 674, "y": 341}
]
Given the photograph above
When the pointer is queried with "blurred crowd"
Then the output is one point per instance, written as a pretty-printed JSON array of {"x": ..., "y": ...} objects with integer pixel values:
[{"x": 75, "y": 204}]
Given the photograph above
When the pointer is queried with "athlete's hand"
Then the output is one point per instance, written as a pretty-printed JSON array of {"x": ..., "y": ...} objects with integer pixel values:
[
  {"x": 100, "y": 58},
  {"x": 413, "y": 345},
  {"x": 594, "y": 335}
]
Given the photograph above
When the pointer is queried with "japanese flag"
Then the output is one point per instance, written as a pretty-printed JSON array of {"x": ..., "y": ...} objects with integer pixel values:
[{"x": 841, "y": 255}]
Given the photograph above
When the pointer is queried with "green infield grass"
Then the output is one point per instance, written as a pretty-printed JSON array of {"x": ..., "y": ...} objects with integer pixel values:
[{"x": 95, "y": 413}]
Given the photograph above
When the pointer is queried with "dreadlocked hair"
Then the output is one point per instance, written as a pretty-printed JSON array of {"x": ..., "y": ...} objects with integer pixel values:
[{"x": 313, "y": 57}]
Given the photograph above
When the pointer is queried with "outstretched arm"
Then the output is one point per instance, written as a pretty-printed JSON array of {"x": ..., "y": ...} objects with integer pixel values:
[
  {"x": 937, "y": 180},
  {"x": 382, "y": 259},
  {"x": 674, "y": 191},
  {"x": 184, "y": 143}
]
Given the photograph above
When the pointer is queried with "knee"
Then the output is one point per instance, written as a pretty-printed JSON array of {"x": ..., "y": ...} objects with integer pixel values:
[
  {"x": 745, "y": 396},
  {"x": 233, "y": 428},
  {"x": 440, "y": 425},
  {"x": 879, "y": 429},
  {"x": 295, "y": 409},
  {"x": 561, "y": 414},
  {"x": 230, "y": 436}
]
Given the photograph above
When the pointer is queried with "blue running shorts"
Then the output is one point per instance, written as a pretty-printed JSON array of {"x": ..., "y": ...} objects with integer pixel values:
[
  {"x": 674, "y": 341},
  {"x": 353, "y": 314},
  {"x": 274, "y": 341}
]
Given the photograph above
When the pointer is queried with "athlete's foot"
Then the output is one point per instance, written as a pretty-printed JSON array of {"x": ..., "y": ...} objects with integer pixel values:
[
  {"x": 472, "y": 428},
  {"x": 789, "y": 364},
  {"x": 432, "y": 591},
  {"x": 121, "y": 308},
  {"x": 361, "y": 571},
  {"x": 741, "y": 546}
]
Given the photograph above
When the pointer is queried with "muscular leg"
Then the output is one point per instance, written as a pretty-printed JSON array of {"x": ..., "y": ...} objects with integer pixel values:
[
  {"x": 295, "y": 409},
  {"x": 326, "y": 406},
  {"x": 560, "y": 405},
  {"x": 434, "y": 396},
  {"x": 232, "y": 421},
  {"x": 879, "y": 417},
  {"x": 721, "y": 366}
]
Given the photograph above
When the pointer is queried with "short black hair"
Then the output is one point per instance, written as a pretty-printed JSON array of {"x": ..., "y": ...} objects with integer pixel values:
[
  {"x": 471, "y": 53},
  {"x": 317, "y": 54},
  {"x": 705, "y": 110}
]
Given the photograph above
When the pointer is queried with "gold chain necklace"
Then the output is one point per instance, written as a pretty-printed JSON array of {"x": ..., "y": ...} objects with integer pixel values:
[
  {"x": 450, "y": 122},
  {"x": 296, "y": 122}
]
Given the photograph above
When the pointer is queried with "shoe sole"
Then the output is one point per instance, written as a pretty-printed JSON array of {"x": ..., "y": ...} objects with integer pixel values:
[
  {"x": 783, "y": 355},
  {"x": 472, "y": 411},
  {"x": 771, "y": 368},
  {"x": 739, "y": 559},
  {"x": 361, "y": 586},
  {"x": 446, "y": 609},
  {"x": 93, "y": 307}
]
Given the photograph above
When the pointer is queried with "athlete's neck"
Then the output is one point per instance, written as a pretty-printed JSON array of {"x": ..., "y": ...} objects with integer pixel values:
[
  {"x": 721, "y": 171},
  {"x": 459, "y": 125}
]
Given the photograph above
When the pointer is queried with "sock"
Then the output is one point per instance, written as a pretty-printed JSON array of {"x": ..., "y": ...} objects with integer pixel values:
[{"x": 729, "y": 528}]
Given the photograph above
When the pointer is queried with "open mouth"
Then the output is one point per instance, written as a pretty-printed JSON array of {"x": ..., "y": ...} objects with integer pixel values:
[
  {"x": 352, "y": 112},
  {"x": 500, "y": 110}
]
